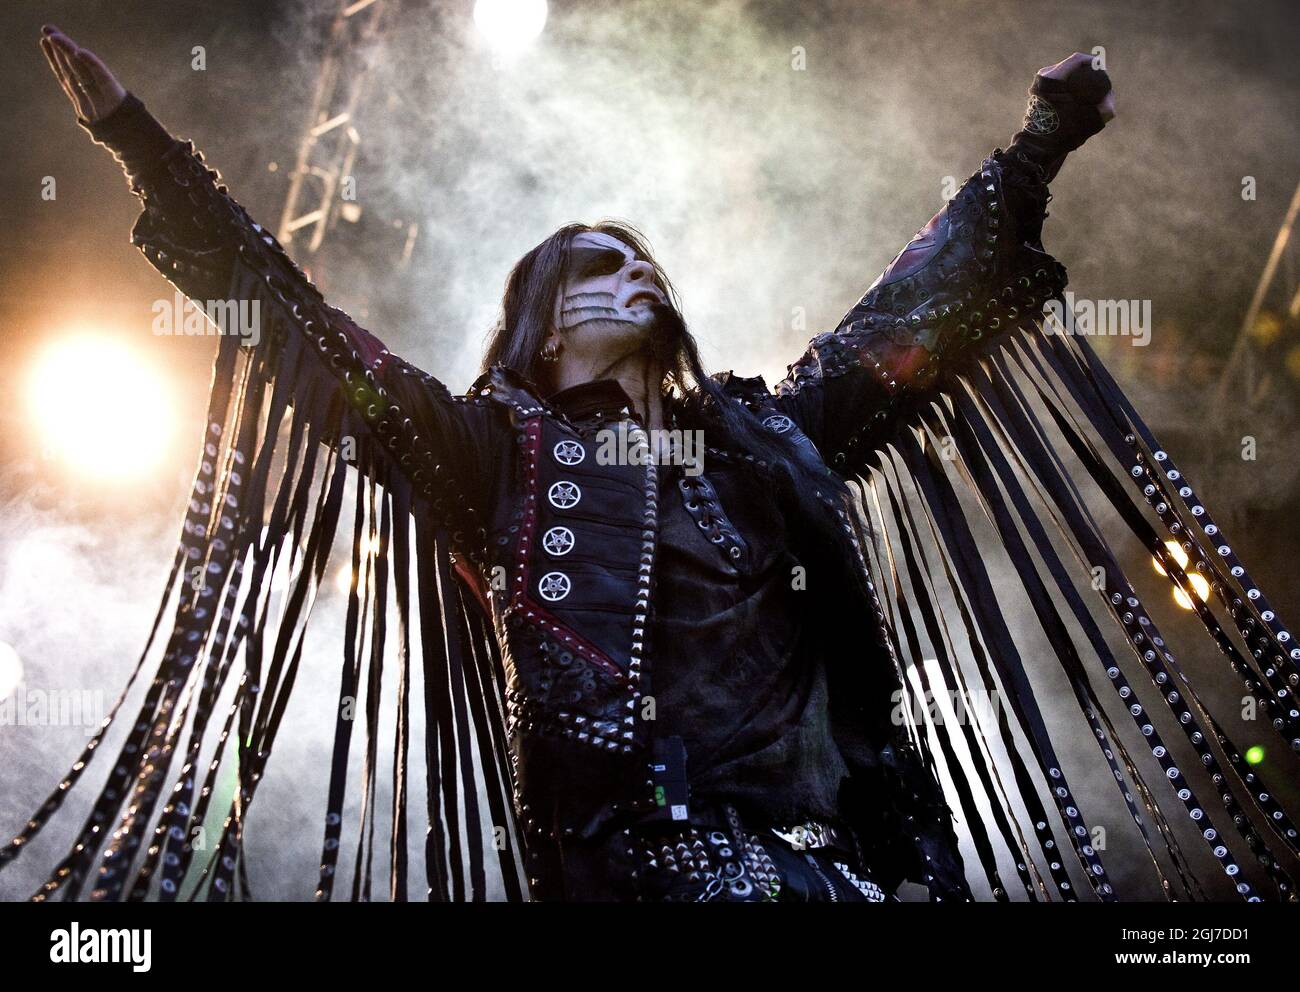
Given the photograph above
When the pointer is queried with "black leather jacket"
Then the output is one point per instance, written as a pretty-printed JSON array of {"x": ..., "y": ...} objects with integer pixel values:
[{"x": 562, "y": 547}]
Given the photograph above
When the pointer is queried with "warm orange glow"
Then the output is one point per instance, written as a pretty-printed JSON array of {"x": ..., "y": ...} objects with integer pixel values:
[
  {"x": 1266, "y": 328},
  {"x": 1292, "y": 362},
  {"x": 343, "y": 578},
  {"x": 99, "y": 407},
  {"x": 1198, "y": 581}
]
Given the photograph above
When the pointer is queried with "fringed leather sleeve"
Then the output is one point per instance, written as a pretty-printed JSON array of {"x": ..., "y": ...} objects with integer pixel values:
[
  {"x": 973, "y": 273},
  {"x": 210, "y": 249}
]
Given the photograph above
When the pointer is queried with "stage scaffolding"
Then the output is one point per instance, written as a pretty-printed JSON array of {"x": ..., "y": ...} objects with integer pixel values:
[{"x": 333, "y": 134}]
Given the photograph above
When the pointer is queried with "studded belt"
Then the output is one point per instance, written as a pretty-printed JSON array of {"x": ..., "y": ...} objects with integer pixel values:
[{"x": 714, "y": 858}]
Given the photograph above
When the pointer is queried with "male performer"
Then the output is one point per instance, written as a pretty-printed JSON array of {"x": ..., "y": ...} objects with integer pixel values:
[{"x": 698, "y": 689}]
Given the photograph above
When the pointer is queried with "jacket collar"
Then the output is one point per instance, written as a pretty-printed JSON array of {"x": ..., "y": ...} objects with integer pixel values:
[
  {"x": 585, "y": 402},
  {"x": 599, "y": 398}
]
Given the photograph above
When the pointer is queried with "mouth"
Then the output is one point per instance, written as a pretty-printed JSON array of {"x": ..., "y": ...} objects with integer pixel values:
[{"x": 644, "y": 297}]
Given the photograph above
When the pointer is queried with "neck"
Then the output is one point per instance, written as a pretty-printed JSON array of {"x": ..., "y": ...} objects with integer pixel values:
[{"x": 638, "y": 374}]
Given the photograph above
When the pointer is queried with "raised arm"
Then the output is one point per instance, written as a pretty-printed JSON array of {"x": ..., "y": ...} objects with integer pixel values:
[
  {"x": 973, "y": 273},
  {"x": 207, "y": 246}
]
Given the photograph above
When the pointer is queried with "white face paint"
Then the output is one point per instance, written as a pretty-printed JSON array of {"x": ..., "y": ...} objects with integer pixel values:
[{"x": 605, "y": 307}]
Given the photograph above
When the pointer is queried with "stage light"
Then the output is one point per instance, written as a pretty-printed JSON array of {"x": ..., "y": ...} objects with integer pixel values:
[
  {"x": 1292, "y": 362},
  {"x": 343, "y": 578},
  {"x": 98, "y": 407},
  {"x": 1266, "y": 328},
  {"x": 1199, "y": 583},
  {"x": 510, "y": 24},
  {"x": 11, "y": 670}
]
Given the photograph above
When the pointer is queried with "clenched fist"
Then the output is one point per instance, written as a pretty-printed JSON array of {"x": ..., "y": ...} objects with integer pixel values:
[{"x": 1071, "y": 72}]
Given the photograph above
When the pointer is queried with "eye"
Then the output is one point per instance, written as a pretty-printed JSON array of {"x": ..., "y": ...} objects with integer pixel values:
[{"x": 605, "y": 265}]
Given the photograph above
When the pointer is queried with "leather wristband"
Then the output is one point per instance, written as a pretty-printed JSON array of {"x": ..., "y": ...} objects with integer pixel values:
[
  {"x": 1062, "y": 115},
  {"x": 133, "y": 135},
  {"x": 1073, "y": 103}
]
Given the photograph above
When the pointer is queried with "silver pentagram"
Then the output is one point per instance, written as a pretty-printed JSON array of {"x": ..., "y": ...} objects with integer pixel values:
[
  {"x": 554, "y": 586},
  {"x": 558, "y": 541},
  {"x": 778, "y": 422},
  {"x": 569, "y": 452},
  {"x": 564, "y": 494}
]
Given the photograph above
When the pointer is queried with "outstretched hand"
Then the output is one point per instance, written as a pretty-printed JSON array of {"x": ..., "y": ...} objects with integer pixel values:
[
  {"x": 1066, "y": 67},
  {"x": 93, "y": 91}
]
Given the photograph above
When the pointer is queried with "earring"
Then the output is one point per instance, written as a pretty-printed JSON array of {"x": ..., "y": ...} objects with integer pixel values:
[{"x": 551, "y": 353}]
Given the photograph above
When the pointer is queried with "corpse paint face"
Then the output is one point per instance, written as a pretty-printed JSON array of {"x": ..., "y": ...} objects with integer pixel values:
[{"x": 608, "y": 302}]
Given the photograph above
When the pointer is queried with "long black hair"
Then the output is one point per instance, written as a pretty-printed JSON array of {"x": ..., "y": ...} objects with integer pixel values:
[{"x": 527, "y": 311}]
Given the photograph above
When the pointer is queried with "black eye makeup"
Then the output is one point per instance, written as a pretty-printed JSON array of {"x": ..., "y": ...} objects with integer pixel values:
[{"x": 595, "y": 261}]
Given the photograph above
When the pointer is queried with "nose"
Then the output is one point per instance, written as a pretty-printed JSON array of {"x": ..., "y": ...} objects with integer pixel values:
[{"x": 639, "y": 270}]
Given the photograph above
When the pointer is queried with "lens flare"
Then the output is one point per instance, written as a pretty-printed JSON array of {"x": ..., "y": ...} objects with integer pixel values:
[
  {"x": 1199, "y": 583},
  {"x": 99, "y": 408},
  {"x": 343, "y": 577}
]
